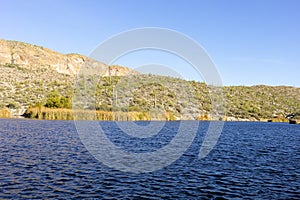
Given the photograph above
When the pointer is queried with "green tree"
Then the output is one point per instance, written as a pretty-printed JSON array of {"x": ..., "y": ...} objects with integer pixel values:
[
  {"x": 53, "y": 100},
  {"x": 66, "y": 102}
]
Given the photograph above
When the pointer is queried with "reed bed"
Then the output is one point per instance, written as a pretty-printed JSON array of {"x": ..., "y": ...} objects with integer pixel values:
[
  {"x": 5, "y": 113},
  {"x": 69, "y": 114},
  {"x": 279, "y": 119}
]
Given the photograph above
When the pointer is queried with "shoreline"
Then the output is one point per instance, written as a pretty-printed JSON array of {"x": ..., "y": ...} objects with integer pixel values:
[
  {"x": 158, "y": 120},
  {"x": 43, "y": 113}
]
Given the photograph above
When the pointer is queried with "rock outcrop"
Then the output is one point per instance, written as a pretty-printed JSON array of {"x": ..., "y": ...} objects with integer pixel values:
[{"x": 23, "y": 54}]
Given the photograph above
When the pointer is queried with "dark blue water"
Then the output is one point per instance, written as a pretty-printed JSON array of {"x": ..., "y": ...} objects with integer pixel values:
[{"x": 46, "y": 159}]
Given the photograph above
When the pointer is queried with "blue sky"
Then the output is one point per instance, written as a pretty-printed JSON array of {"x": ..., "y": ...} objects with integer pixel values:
[{"x": 251, "y": 42}]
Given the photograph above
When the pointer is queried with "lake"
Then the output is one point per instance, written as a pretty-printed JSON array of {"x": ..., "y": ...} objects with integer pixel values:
[{"x": 252, "y": 160}]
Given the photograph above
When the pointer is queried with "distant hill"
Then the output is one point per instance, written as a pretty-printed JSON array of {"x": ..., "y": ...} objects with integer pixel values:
[{"x": 30, "y": 74}]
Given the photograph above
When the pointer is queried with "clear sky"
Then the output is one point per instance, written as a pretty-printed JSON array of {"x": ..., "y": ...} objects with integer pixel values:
[{"x": 250, "y": 41}]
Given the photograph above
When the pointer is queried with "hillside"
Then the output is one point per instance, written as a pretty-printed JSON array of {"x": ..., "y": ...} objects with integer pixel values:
[
  {"x": 144, "y": 92},
  {"x": 29, "y": 72},
  {"x": 30, "y": 75},
  {"x": 33, "y": 57}
]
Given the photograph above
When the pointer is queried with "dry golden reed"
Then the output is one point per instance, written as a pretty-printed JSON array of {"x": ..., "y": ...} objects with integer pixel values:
[
  {"x": 69, "y": 114},
  {"x": 5, "y": 113}
]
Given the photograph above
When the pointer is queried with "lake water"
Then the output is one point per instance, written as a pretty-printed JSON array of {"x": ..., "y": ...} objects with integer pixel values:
[{"x": 46, "y": 159}]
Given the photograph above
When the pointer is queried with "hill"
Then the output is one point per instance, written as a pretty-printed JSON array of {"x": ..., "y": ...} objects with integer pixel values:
[
  {"x": 144, "y": 92},
  {"x": 33, "y": 57},
  {"x": 29, "y": 72},
  {"x": 36, "y": 76}
]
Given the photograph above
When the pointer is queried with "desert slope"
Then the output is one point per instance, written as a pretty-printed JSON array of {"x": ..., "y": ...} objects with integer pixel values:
[{"x": 33, "y": 57}]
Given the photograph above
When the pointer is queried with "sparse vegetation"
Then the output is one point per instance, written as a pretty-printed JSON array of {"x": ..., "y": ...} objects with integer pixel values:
[{"x": 40, "y": 87}]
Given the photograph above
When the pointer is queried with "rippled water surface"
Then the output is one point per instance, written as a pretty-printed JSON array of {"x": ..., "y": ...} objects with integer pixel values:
[{"x": 46, "y": 159}]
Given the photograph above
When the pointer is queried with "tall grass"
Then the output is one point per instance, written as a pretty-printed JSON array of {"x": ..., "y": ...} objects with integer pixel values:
[
  {"x": 5, "y": 113},
  {"x": 204, "y": 117},
  {"x": 279, "y": 119},
  {"x": 69, "y": 114}
]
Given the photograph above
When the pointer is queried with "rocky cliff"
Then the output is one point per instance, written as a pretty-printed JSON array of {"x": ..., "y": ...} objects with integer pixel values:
[{"x": 33, "y": 56}]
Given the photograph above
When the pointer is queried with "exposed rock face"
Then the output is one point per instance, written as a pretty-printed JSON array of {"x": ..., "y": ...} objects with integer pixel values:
[{"x": 23, "y": 54}]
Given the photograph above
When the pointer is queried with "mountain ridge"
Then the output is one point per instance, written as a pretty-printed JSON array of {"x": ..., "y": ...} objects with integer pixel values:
[
  {"x": 29, "y": 75},
  {"x": 25, "y": 54}
]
